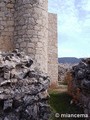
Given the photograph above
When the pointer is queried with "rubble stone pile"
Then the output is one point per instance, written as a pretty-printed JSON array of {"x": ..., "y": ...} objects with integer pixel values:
[
  {"x": 81, "y": 84},
  {"x": 23, "y": 88},
  {"x": 63, "y": 69}
]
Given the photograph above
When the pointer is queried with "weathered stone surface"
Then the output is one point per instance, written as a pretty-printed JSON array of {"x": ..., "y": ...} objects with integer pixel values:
[
  {"x": 6, "y": 24},
  {"x": 23, "y": 90},
  {"x": 29, "y": 15},
  {"x": 52, "y": 49},
  {"x": 26, "y": 25},
  {"x": 81, "y": 84},
  {"x": 63, "y": 70}
]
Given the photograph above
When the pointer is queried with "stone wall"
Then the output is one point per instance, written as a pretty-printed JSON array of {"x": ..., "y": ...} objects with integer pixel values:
[
  {"x": 23, "y": 91},
  {"x": 24, "y": 24},
  {"x": 6, "y": 24},
  {"x": 80, "y": 85},
  {"x": 52, "y": 49},
  {"x": 31, "y": 34}
]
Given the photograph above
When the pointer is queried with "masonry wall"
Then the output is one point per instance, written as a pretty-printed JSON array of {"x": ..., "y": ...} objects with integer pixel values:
[
  {"x": 31, "y": 29},
  {"x": 6, "y": 24},
  {"x": 52, "y": 49},
  {"x": 26, "y": 25}
]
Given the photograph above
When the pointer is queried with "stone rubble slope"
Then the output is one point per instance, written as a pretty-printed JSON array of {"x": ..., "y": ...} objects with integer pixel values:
[
  {"x": 81, "y": 84},
  {"x": 62, "y": 71},
  {"x": 23, "y": 88}
]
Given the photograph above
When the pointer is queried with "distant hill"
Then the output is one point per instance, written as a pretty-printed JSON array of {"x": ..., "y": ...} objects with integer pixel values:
[{"x": 69, "y": 60}]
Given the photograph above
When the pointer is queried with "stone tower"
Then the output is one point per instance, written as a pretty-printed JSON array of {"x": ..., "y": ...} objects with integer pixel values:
[
  {"x": 31, "y": 29},
  {"x": 27, "y": 25},
  {"x": 6, "y": 24},
  {"x": 52, "y": 49}
]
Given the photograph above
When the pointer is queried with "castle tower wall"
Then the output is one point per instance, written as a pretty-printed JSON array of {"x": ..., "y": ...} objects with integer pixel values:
[
  {"x": 52, "y": 49},
  {"x": 31, "y": 29},
  {"x": 27, "y": 25},
  {"x": 6, "y": 24}
]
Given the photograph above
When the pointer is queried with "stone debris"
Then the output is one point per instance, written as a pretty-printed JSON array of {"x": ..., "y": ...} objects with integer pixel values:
[
  {"x": 23, "y": 90},
  {"x": 62, "y": 71},
  {"x": 81, "y": 84}
]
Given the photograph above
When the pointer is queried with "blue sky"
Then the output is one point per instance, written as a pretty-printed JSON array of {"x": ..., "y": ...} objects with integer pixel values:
[{"x": 73, "y": 27}]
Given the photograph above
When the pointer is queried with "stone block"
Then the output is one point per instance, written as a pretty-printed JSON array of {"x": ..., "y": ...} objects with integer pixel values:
[
  {"x": 10, "y": 6},
  {"x": 23, "y": 44},
  {"x": 10, "y": 23}
]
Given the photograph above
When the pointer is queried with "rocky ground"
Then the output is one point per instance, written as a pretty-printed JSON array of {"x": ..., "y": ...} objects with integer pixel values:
[
  {"x": 23, "y": 88},
  {"x": 63, "y": 69}
]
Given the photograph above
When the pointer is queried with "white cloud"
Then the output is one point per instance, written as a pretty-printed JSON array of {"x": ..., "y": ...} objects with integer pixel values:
[
  {"x": 73, "y": 26},
  {"x": 86, "y": 6},
  {"x": 87, "y": 23}
]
